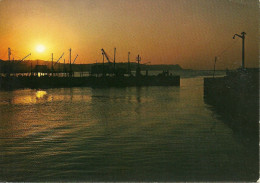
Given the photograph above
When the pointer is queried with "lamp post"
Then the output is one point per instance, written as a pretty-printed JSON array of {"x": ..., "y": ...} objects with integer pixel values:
[{"x": 242, "y": 36}]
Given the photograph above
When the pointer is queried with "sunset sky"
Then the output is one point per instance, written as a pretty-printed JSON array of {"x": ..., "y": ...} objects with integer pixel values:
[{"x": 185, "y": 32}]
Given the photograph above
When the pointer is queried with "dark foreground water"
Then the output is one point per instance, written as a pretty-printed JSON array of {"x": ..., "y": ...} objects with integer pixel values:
[{"x": 119, "y": 134}]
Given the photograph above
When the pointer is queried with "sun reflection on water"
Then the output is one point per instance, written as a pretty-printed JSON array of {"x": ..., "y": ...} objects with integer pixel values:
[
  {"x": 30, "y": 97},
  {"x": 40, "y": 94}
]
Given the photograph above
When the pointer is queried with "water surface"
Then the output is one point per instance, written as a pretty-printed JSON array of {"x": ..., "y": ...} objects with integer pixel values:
[{"x": 118, "y": 134}]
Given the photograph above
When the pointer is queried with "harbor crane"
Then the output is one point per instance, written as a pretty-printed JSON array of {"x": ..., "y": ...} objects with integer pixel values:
[
  {"x": 108, "y": 68},
  {"x": 9, "y": 66},
  {"x": 106, "y": 55},
  {"x": 52, "y": 65},
  {"x": 59, "y": 59},
  {"x": 75, "y": 59},
  {"x": 24, "y": 58},
  {"x": 21, "y": 61}
]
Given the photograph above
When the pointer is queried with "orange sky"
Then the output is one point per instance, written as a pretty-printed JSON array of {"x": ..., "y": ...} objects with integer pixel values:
[{"x": 185, "y": 32}]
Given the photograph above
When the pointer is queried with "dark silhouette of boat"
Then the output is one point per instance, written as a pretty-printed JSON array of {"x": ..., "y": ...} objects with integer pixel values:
[{"x": 101, "y": 75}]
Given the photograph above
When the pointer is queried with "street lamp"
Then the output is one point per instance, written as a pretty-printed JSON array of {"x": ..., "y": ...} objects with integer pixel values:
[{"x": 242, "y": 36}]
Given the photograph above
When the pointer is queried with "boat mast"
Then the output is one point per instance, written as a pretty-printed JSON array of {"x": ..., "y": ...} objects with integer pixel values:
[
  {"x": 103, "y": 65},
  {"x": 114, "y": 60},
  {"x": 9, "y": 62},
  {"x": 138, "y": 69},
  {"x": 214, "y": 67},
  {"x": 52, "y": 64},
  {"x": 129, "y": 63},
  {"x": 70, "y": 74}
]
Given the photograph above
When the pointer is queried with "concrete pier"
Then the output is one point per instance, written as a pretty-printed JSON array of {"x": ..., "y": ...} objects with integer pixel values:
[{"x": 235, "y": 97}]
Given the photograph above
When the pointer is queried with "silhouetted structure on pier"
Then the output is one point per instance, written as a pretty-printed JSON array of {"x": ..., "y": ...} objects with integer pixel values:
[{"x": 235, "y": 98}]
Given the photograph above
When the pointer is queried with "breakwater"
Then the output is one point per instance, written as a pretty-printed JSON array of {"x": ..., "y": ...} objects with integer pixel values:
[{"x": 235, "y": 98}]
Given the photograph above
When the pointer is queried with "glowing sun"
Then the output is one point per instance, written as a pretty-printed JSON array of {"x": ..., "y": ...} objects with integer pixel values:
[{"x": 40, "y": 48}]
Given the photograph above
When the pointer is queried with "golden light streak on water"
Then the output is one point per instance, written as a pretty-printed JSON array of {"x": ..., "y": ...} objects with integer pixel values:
[{"x": 41, "y": 94}]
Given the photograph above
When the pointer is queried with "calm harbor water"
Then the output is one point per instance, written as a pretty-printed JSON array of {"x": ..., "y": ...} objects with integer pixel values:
[{"x": 118, "y": 134}]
